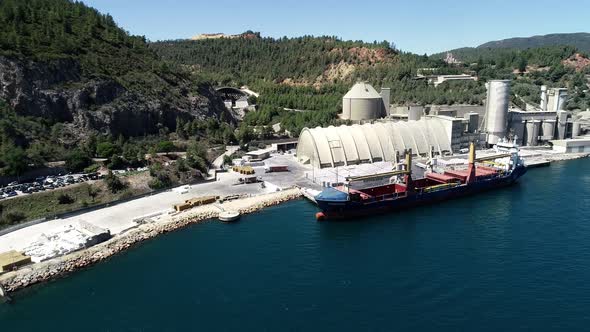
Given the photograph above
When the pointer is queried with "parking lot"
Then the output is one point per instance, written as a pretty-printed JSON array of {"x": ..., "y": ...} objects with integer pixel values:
[{"x": 44, "y": 183}]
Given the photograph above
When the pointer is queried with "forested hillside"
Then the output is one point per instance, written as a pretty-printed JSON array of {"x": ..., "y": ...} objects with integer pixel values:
[
  {"x": 580, "y": 40},
  {"x": 312, "y": 73},
  {"x": 69, "y": 74},
  {"x": 554, "y": 66}
]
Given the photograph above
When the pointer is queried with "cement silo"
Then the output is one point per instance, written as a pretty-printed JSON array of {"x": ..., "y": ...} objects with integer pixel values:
[
  {"x": 497, "y": 102},
  {"x": 532, "y": 132},
  {"x": 362, "y": 102},
  {"x": 415, "y": 112},
  {"x": 561, "y": 124},
  {"x": 543, "y": 98},
  {"x": 556, "y": 99},
  {"x": 548, "y": 129},
  {"x": 386, "y": 96}
]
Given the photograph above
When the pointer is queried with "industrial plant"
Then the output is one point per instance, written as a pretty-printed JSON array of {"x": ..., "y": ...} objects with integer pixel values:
[{"x": 381, "y": 132}]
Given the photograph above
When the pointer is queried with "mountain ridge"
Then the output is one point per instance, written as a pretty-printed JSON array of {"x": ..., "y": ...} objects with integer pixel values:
[{"x": 580, "y": 40}]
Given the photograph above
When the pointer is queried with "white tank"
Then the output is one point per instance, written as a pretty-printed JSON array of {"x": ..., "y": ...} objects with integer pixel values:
[
  {"x": 543, "y": 98},
  {"x": 497, "y": 102},
  {"x": 362, "y": 102},
  {"x": 548, "y": 129},
  {"x": 519, "y": 132},
  {"x": 532, "y": 132},
  {"x": 556, "y": 99},
  {"x": 415, "y": 112},
  {"x": 561, "y": 124}
]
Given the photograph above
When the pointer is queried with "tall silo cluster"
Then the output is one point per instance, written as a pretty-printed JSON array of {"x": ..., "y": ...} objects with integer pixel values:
[{"x": 497, "y": 102}]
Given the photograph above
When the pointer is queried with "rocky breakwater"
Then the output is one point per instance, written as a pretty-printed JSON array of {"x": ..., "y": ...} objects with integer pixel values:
[{"x": 61, "y": 266}]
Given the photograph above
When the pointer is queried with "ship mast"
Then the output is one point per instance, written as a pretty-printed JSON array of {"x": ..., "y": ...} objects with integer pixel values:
[{"x": 471, "y": 167}]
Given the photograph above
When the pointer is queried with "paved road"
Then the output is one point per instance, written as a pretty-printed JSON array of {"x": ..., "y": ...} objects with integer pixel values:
[{"x": 229, "y": 150}]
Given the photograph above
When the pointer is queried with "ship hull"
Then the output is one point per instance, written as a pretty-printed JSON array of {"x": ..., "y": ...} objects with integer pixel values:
[{"x": 343, "y": 209}]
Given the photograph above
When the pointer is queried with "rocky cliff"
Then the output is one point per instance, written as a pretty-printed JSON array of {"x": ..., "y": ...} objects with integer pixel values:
[{"x": 57, "y": 92}]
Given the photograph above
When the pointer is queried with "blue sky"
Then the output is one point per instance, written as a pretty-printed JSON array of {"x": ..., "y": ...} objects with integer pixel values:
[{"x": 419, "y": 26}]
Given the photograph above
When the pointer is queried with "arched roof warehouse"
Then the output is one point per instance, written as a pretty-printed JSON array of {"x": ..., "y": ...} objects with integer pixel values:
[{"x": 367, "y": 143}]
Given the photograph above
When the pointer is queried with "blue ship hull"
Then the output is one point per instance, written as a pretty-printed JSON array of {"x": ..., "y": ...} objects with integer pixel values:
[{"x": 337, "y": 205}]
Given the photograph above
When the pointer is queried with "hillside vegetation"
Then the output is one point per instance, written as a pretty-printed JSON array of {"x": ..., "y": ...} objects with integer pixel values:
[
  {"x": 70, "y": 79},
  {"x": 580, "y": 40},
  {"x": 312, "y": 73}
]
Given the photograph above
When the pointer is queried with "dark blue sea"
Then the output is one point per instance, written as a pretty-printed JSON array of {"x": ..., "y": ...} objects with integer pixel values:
[{"x": 516, "y": 259}]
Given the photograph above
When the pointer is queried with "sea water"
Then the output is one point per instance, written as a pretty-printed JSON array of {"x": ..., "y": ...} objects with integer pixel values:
[{"x": 512, "y": 259}]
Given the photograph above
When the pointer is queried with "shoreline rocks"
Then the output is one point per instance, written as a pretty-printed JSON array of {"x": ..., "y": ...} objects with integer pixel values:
[{"x": 61, "y": 266}]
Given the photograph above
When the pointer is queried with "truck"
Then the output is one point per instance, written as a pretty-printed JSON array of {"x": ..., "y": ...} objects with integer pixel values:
[{"x": 276, "y": 168}]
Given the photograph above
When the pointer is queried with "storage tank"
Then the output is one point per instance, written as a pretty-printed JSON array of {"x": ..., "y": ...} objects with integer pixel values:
[
  {"x": 519, "y": 132},
  {"x": 386, "y": 96},
  {"x": 548, "y": 129},
  {"x": 362, "y": 102},
  {"x": 561, "y": 124},
  {"x": 415, "y": 112},
  {"x": 543, "y": 98},
  {"x": 532, "y": 132},
  {"x": 497, "y": 102},
  {"x": 556, "y": 99}
]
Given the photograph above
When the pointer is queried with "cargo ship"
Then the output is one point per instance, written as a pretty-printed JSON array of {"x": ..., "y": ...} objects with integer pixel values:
[{"x": 396, "y": 190}]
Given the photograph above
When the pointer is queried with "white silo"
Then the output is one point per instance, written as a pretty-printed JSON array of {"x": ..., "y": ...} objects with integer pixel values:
[
  {"x": 532, "y": 132},
  {"x": 556, "y": 99},
  {"x": 386, "y": 96},
  {"x": 497, "y": 102},
  {"x": 415, "y": 112},
  {"x": 543, "y": 98},
  {"x": 561, "y": 124},
  {"x": 548, "y": 128},
  {"x": 362, "y": 102}
]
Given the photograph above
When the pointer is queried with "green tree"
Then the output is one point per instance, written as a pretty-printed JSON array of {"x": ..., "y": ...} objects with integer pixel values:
[
  {"x": 107, "y": 149},
  {"x": 165, "y": 146},
  {"x": 114, "y": 183},
  {"x": 196, "y": 157},
  {"x": 15, "y": 160},
  {"x": 77, "y": 160}
]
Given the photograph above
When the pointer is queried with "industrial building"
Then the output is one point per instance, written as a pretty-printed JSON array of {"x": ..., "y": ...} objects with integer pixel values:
[
  {"x": 531, "y": 126},
  {"x": 363, "y": 102},
  {"x": 382, "y": 141},
  {"x": 381, "y": 134},
  {"x": 576, "y": 145}
]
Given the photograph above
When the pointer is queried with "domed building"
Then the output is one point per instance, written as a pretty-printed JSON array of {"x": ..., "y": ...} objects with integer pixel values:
[
  {"x": 368, "y": 143},
  {"x": 362, "y": 102}
]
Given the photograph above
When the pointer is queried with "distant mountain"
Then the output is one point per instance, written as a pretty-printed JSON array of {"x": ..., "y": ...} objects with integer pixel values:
[
  {"x": 542, "y": 51},
  {"x": 579, "y": 40}
]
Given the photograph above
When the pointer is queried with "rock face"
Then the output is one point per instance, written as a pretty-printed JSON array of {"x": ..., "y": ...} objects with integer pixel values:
[{"x": 57, "y": 91}]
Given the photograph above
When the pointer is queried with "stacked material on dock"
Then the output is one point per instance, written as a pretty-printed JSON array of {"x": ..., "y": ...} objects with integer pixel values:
[
  {"x": 196, "y": 201},
  {"x": 58, "y": 243},
  {"x": 243, "y": 169},
  {"x": 11, "y": 260},
  {"x": 95, "y": 234}
]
